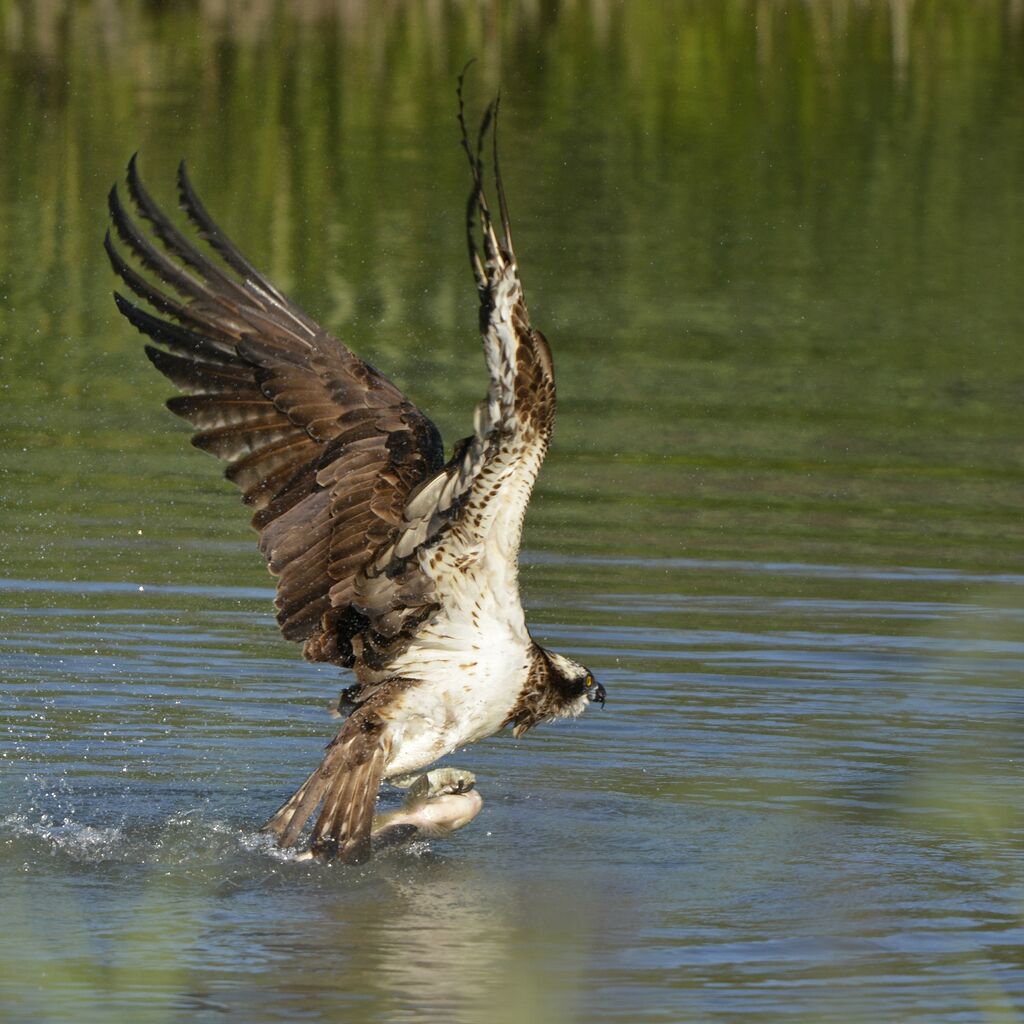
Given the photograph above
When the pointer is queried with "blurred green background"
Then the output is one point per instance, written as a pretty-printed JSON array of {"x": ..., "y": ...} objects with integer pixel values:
[{"x": 777, "y": 249}]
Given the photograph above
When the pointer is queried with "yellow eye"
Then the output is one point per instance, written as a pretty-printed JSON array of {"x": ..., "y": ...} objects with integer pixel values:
[{"x": 589, "y": 681}]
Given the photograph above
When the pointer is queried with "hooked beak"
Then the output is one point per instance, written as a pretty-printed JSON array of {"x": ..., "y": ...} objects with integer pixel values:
[{"x": 597, "y": 694}]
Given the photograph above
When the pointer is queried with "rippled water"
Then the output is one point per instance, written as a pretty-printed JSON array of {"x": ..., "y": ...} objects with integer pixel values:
[
  {"x": 777, "y": 254},
  {"x": 794, "y": 806}
]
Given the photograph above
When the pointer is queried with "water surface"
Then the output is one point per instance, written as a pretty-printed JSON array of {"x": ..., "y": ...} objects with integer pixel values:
[{"x": 777, "y": 252}]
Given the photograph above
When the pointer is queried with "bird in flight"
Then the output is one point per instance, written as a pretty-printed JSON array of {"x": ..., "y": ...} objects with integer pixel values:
[{"x": 390, "y": 560}]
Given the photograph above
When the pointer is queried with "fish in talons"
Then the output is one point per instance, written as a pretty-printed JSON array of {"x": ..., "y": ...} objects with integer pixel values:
[{"x": 437, "y": 803}]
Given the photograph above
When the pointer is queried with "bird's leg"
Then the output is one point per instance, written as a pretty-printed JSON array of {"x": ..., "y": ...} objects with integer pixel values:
[{"x": 346, "y": 702}]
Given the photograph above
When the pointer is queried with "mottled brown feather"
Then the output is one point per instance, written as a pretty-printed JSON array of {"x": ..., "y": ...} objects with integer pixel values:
[
  {"x": 319, "y": 442},
  {"x": 346, "y": 783}
]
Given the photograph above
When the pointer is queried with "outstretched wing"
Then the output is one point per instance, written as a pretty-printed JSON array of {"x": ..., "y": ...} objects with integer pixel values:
[
  {"x": 324, "y": 448},
  {"x": 478, "y": 500}
]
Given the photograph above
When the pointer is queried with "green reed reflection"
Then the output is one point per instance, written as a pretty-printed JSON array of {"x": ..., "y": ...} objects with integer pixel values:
[{"x": 777, "y": 249}]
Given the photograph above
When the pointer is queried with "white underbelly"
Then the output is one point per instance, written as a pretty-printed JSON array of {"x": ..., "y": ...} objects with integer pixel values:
[
  {"x": 471, "y": 659},
  {"x": 463, "y": 696}
]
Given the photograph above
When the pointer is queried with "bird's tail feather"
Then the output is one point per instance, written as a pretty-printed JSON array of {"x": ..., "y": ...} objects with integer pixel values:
[{"x": 347, "y": 782}]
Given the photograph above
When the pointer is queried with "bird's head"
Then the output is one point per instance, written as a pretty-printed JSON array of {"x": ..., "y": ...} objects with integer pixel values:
[{"x": 574, "y": 683}]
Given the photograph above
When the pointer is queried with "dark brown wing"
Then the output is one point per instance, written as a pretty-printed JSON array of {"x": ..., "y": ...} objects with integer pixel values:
[{"x": 323, "y": 446}]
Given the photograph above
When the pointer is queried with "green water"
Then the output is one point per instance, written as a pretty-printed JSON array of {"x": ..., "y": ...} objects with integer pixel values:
[{"x": 777, "y": 250}]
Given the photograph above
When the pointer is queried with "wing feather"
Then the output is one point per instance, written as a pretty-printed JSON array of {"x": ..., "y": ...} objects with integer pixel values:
[
  {"x": 484, "y": 489},
  {"x": 345, "y": 475},
  {"x": 324, "y": 447}
]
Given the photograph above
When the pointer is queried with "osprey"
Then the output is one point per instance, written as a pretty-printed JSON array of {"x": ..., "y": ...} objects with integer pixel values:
[{"x": 390, "y": 560}]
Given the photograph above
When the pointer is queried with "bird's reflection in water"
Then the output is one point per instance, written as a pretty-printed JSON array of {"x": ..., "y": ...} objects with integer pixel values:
[
  {"x": 430, "y": 934},
  {"x": 482, "y": 946}
]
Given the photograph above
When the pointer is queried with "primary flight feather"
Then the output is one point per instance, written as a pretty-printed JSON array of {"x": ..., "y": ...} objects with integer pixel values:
[{"x": 390, "y": 560}]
